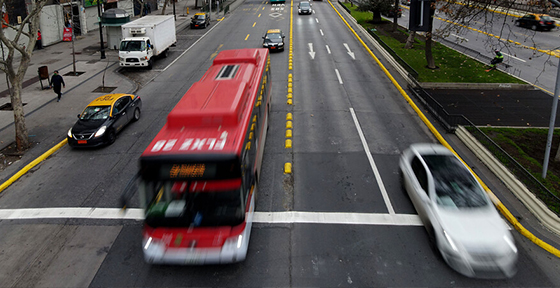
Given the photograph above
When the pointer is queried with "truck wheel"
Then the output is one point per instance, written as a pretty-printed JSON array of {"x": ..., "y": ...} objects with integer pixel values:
[
  {"x": 165, "y": 53},
  {"x": 150, "y": 66}
]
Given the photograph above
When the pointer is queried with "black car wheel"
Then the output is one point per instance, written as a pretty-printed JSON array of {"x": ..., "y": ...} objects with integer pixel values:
[
  {"x": 136, "y": 114},
  {"x": 111, "y": 137},
  {"x": 534, "y": 27}
]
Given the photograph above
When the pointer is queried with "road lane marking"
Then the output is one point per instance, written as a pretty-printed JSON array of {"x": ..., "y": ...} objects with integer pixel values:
[
  {"x": 317, "y": 20},
  {"x": 254, "y": 24},
  {"x": 321, "y": 30},
  {"x": 511, "y": 56},
  {"x": 372, "y": 164},
  {"x": 349, "y": 51},
  {"x": 328, "y": 49},
  {"x": 247, "y": 37},
  {"x": 460, "y": 37},
  {"x": 311, "y": 51},
  {"x": 338, "y": 76},
  {"x": 286, "y": 217}
]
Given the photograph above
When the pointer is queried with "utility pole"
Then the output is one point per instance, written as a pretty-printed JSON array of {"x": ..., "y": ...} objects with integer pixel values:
[
  {"x": 175, "y": 15},
  {"x": 73, "y": 35},
  {"x": 100, "y": 29},
  {"x": 551, "y": 123}
]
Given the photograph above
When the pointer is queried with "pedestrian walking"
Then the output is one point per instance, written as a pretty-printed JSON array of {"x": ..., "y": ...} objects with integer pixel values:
[
  {"x": 39, "y": 43},
  {"x": 56, "y": 83}
]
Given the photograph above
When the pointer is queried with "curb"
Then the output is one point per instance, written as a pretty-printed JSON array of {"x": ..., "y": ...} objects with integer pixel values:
[
  {"x": 535, "y": 205},
  {"x": 32, "y": 164}
]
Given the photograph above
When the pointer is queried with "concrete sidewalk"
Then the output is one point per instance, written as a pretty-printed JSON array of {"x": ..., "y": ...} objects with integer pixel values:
[{"x": 82, "y": 87}]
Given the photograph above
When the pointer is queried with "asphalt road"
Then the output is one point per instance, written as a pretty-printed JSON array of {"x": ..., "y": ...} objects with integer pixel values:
[{"x": 337, "y": 98}]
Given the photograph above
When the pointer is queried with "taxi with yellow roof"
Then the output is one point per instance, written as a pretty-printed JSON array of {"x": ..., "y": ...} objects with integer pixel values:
[
  {"x": 200, "y": 20},
  {"x": 103, "y": 118},
  {"x": 274, "y": 40},
  {"x": 536, "y": 22}
]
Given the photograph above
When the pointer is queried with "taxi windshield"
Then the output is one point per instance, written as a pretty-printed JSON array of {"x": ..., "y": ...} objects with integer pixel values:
[
  {"x": 273, "y": 36},
  {"x": 95, "y": 113},
  {"x": 199, "y": 17}
]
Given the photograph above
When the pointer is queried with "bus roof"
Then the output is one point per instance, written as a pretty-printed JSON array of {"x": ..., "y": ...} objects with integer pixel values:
[{"x": 215, "y": 112}]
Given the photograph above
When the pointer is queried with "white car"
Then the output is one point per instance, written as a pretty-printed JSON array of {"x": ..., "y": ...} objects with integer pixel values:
[{"x": 458, "y": 214}]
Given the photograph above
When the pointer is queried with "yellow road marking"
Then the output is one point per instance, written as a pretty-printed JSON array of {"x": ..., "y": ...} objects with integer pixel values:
[
  {"x": 254, "y": 24},
  {"x": 247, "y": 37}
]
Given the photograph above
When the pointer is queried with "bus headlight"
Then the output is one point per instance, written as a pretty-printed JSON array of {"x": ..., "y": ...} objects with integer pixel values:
[
  {"x": 233, "y": 243},
  {"x": 101, "y": 131}
]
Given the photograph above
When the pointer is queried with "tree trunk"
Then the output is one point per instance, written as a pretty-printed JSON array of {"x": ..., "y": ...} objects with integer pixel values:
[
  {"x": 410, "y": 40},
  {"x": 396, "y": 17},
  {"x": 164, "y": 6},
  {"x": 377, "y": 17},
  {"x": 22, "y": 140},
  {"x": 429, "y": 56}
]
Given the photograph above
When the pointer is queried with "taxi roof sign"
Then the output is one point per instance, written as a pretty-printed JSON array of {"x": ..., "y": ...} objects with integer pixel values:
[
  {"x": 107, "y": 100},
  {"x": 273, "y": 31}
]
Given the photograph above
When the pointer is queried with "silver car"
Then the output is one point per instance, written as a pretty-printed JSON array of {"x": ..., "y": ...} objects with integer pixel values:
[{"x": 458, "y": 214}]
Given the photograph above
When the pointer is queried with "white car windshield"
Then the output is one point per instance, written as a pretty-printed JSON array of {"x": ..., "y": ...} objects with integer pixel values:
[{"x": 454, "y": 184}]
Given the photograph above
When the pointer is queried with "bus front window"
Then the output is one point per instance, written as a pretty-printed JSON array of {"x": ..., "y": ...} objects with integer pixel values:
[{"x": 179, "y": 204}]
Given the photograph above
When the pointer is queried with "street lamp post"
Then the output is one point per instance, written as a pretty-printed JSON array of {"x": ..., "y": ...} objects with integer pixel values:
[
  {"x": 551, "y": 123},
  {"x": 100, "y": 30}
]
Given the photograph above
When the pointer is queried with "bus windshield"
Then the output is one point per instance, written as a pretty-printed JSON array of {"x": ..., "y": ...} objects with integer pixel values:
[{"x": 183, "y": 204}]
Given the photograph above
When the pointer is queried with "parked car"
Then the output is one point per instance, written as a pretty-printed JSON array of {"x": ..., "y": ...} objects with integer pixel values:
[
  {"x": 200, "y": 20},
  {"x": 536, "y": 22},
  {"x": 405, "y": 2},
  {"x": 304, "y": 7},
  {"x": 273, "y": 39},
  {"x": 391, "y": 12},
  {"x": 458, "y": 214},
  {"x": 103, "y": 118}
]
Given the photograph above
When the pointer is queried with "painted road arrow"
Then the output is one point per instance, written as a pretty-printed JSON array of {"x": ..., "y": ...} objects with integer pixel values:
[
  {"x": 349, "y": 51},
  {"x": 311, "y": 51}
]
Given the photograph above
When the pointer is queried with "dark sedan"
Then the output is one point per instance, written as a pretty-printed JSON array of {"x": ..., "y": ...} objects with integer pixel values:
[
  {"x": 304, "y": 7},
  {"x": 200, "y": 20},
  {"x": 536, "y": 22},
  {"x": 103, "y": 118}
]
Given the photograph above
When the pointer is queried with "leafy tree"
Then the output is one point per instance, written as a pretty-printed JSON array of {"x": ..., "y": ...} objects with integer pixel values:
[
  {"x": 375, "y": 7},
  {"x": 16, "y": 71}
]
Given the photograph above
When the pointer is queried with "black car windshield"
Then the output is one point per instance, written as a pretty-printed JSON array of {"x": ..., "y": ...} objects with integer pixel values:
[
  {"x": 95, "y": 113},
  {"x": 454, "y": 184},
  {"x": 199, "y": 17}
]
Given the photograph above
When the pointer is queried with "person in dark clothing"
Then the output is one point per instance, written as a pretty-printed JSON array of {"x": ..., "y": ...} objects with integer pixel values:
[
  {"x": 56, "y": 83},
  {"x": 499, "y": 58}
]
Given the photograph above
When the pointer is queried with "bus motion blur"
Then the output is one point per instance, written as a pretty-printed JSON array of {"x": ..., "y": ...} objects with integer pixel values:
[{"x": 198, "y": 177}]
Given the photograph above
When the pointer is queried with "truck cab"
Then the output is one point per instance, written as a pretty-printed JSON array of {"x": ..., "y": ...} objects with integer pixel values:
[{"x": 137, "y": 51}]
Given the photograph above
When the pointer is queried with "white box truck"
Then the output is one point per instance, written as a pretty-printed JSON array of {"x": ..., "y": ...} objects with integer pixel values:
[{"x": 145, "y": 38}]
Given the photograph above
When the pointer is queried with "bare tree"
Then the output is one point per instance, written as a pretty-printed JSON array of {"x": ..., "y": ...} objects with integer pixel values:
[{"x": 16, "y": 71}]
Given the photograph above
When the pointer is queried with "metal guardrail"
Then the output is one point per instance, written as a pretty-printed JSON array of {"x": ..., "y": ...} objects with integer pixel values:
[{"x": 451, "y": 121}]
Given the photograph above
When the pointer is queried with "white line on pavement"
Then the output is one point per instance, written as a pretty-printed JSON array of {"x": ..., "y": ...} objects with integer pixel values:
[
  {"x": 328, "y": 49},
  {"x": 338, "y": 76},
  {"x": 321, "y": 30},
  {"x": 260, "y": 217},
  {"x": 372, "y": 164},
  {"x": 519, "y": 59}
]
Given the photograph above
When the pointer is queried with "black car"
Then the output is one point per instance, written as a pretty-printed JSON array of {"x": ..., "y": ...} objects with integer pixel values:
[
  {"x": 200, "y": 20},
  {"x": 103, "y": 118},
  {"x": 274, "y": 40},
  {"x": 304, "y": 7},
  {"x": 536, "y": 22}
]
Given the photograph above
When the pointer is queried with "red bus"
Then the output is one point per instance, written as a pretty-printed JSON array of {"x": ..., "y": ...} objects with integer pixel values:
[{"x": 198, "y": 177}]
